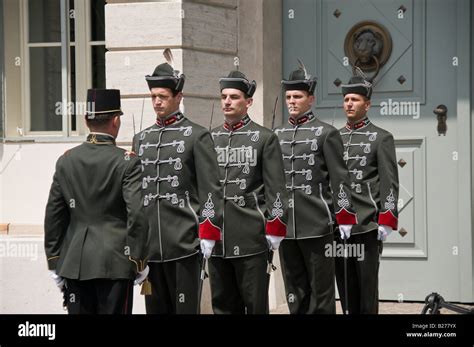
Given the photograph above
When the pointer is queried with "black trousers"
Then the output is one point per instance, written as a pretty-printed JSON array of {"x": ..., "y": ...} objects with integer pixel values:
[
  {"x": 362, "y": 274},
  {"x": 99, "y": 296},
  {"x": 176, "y": 287},
  {"x": 240, "y": 285},
  {"x": 308, "y": 274}
]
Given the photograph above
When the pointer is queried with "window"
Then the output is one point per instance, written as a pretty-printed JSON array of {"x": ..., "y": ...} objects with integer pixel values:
[
  {"x": 97, "y": 43},
  {"x": 44, "y": 69},
  {"x": 2, "y": 74},
  {"x": 43, "y": 82}
]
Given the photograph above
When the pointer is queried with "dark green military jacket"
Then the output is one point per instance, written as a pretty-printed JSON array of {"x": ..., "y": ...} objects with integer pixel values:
[
  {"x": 253, "y": 179},
  {"x": 180, "y": 181},
  {"x": 94, "y": 225},
  {"x": 313, "y": 165},
  {"x": 369, "y": 152}
]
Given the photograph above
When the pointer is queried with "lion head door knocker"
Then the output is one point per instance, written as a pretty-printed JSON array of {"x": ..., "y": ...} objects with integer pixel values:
[
  {"x": 368, "y": 45},
  {"x": 441, "y": 113}
]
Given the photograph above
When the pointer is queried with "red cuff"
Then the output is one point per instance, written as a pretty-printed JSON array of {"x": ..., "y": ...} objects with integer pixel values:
[
  {"x": 209, "y": 231},
  {"x": 387, "y": 218},
  {"x": 345, "y": 217},
  {"x": 275, "y": 227}
]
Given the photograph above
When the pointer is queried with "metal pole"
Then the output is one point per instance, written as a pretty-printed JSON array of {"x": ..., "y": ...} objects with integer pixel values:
[
  {"x": 346, "y": 301},
  {"x": 202, "y": 277}
]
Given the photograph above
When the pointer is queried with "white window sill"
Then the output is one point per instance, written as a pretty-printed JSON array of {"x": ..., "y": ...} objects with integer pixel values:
[{"x": 44, "y": 139}]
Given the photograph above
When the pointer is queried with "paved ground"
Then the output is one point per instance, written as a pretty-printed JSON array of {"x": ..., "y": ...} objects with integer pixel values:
[
  {"x": 25, "y": 285},
  {"x": 385, "y": 308}
]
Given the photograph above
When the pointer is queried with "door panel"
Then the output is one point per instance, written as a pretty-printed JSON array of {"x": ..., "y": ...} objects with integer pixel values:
[
  {"x": 424, "y": 259},
  {"x": 406, "y": 57}
]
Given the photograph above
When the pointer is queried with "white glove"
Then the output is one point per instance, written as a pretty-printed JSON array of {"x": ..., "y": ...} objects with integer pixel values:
[
  {"x": 58, "y": 279},
  {"x": 141, "y": 276},
  {"x": 206, "y": 247},
  {"x": 384, "y": 231},
  {"x": 274, "y": 241},
  {"x": 345, "y": 230}
]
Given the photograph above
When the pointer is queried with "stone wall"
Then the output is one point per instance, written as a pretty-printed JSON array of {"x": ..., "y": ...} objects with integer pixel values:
[{"x": 206, "y": 37}]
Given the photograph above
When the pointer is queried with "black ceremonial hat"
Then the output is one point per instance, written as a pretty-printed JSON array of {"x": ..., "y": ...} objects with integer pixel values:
[
  {"x": 237, "y": 80},
  {"x": 358, "y": 85},
  {"x": 165, "y": 76},
  {"x": 102, "y": 103},
  {"x": 300, "y": 80}
]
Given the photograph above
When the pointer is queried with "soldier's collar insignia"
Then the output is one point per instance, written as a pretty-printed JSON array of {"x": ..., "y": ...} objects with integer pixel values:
[
  {"x": 240, "y": 124},
  {"x": 100, "y": 139},
  {"x": 302, "y": 119},
  {"x": 169, "y": 120},
  {"x": 360, "y": 124}
]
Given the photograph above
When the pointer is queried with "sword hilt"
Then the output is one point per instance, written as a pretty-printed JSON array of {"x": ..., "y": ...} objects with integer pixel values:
[
  {"x": 204, "y": 274},
  {"x": 270, "y": 267}
]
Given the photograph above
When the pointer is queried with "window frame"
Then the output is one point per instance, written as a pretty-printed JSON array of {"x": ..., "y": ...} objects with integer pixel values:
[
  {"x": 83, "y": 74},
  {"x": 2, "y": 75}
]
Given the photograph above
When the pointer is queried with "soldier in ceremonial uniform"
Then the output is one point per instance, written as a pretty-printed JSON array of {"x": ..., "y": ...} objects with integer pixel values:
[
  {"x": 318, "y": 186},
  {"x": 255, "y": 203},
  {"x": 369, "y": 152},
  {"x": 182, "y": 197},
  {"x": 95, "y": 231}
]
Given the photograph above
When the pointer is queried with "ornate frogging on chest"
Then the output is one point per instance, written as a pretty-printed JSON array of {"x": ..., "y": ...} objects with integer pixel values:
[
  {"x": 300, "y": 143},
  {"x": 361, "y": 139},
  {"x": 252, "y": 135},
  {"x": 316, "y": 130},
  {"x": 160, "y": 138},
  {"x": 358, "y": 144},
  {"x": 163, "y": 152},
  {"x": 178, "y": 145},
  {"x": 237, "y": 150},
  {"x": 234, "y": 156},
  {"x": 172, "y": 180},
  {"x": 306, "y": 188},
  {"x": 300, "y": 147},
  {"x": 311, "y": 143},
  {"x": 357, "y": 187},
  {"x": 173, "y": 198},
  {"x": 362, "y": 159},
  {"x": 359, "y": 151},
  {"x": 300, "y": 136},
  {"x": 186, "y": 131}
]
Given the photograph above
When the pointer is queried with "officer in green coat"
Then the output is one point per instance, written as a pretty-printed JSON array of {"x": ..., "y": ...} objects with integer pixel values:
[
  {"x": 369, "y": 152},
  {"x": 318, "y": 184},
  {"x": 95, "y": 231},
  {"x": 183, "y": 197},
  {"x": 255, "y": 203}
]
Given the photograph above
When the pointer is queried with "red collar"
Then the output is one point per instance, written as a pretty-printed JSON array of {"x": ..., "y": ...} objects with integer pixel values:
[
  {"x": 171, "y": 119},
  {"x": 240, "y": 124},
  {"x": 305, "y": 118},
  {"x": 360, "y": 124}
]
